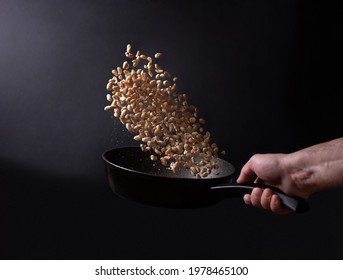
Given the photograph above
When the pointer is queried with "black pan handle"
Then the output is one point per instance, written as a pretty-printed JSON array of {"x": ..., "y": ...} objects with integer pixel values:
[{"x": 296, "y": 204}]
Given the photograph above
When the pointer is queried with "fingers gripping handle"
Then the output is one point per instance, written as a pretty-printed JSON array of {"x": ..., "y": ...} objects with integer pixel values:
[{"x": 296, "y": 204}]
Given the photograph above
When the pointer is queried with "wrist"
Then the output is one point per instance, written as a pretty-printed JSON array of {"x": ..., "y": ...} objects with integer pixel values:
[{"x": 300, "y": 176}]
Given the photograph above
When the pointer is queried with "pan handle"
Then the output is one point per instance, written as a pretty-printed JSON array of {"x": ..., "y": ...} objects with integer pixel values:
[{"x": 296, "y": 204}]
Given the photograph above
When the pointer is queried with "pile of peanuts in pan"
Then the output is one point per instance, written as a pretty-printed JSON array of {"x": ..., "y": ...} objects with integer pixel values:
[{"x": 144, "y": 98}]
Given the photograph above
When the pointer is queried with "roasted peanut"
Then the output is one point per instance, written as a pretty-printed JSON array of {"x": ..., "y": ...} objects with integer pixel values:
[{"x": 161, "y": 118}]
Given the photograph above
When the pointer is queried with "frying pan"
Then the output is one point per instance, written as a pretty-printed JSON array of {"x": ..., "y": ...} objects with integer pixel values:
[{"x": 132, "y": 175}]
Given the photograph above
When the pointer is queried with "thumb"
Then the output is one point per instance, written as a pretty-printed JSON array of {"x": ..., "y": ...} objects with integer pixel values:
[{"x": 247, "y": 173}]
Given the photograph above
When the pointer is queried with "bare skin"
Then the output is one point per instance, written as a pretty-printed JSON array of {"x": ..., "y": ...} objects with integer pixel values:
[{"x": 313, "y": 169}]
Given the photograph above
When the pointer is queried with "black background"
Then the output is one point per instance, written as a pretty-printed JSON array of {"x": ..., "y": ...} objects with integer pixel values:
[{"x": 266, "y": 75}]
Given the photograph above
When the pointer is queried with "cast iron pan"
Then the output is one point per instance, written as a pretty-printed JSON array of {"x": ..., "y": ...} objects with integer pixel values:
[{"x": 132, "y": 175}]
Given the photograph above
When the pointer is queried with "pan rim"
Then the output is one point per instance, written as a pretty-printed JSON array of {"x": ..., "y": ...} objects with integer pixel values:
[{"x": 164, "y": 176}]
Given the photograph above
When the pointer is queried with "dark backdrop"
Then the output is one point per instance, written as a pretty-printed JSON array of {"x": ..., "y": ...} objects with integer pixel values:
[{"x": 265, "y": 74}]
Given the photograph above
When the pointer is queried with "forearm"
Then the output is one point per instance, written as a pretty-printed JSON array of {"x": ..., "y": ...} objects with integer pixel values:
[{"x": 316, "y": 168}]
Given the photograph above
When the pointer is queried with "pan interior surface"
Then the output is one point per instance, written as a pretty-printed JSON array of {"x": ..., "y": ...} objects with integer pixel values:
[{"x": 135, "y": 160}]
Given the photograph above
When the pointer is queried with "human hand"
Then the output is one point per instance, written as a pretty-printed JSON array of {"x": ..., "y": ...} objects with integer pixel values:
[
  {"x": 267, "y": 169},
  {"x": 313, "y": 169}
]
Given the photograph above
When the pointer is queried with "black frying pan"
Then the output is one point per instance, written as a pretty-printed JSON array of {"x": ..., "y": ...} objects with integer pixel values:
[{"x": 132, "y": 175}]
